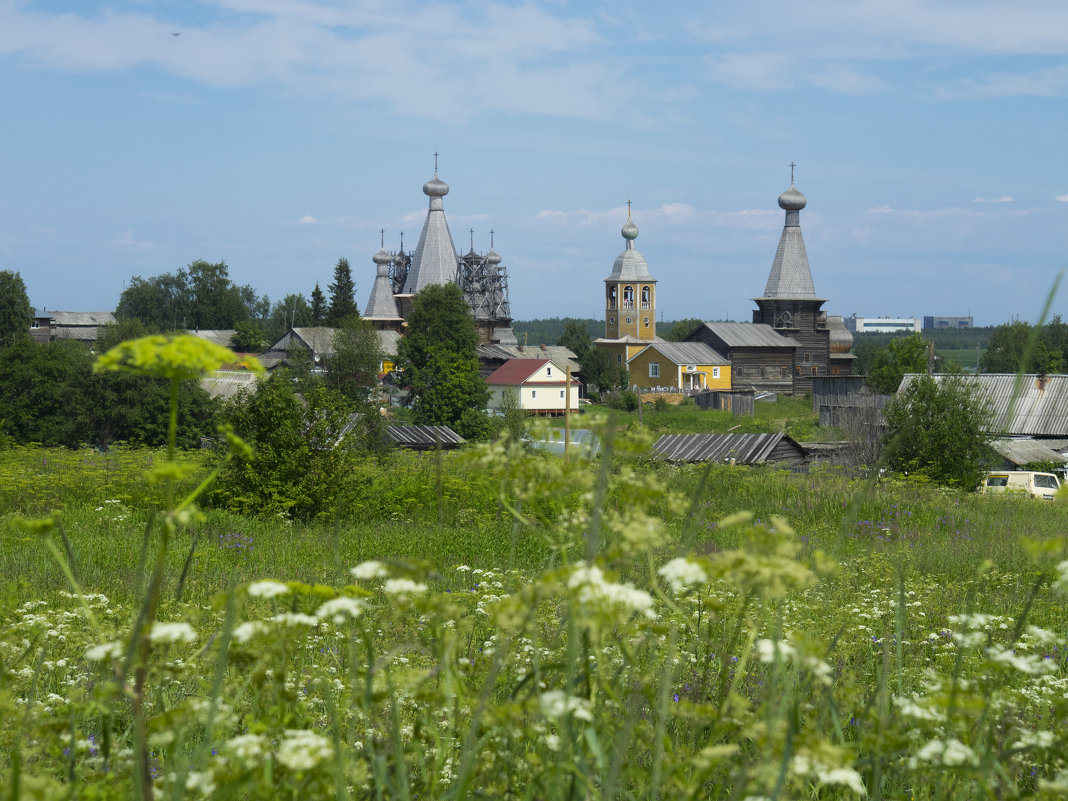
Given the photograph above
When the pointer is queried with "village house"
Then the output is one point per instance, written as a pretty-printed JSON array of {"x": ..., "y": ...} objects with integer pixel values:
[
  {"x": 538, "y": 386},
  {"x": 686, "y": 366}
]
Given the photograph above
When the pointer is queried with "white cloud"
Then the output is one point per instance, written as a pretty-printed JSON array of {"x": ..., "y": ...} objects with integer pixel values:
[
  {"x": 1062, "y": 198},
  {"x": 126, "y": 241},
  {"x": 307, "y": 219},
  {"x": 1002, "y": 199},
  {"x": 668, "y": 214}
]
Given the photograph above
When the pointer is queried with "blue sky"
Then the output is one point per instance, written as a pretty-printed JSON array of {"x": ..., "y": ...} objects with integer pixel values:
[{"x": 280, "y": 135}]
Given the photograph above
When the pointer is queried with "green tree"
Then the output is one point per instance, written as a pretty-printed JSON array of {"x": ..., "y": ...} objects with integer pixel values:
[
  {"x": 438, "y": 360},
  {"x": 318, "y": 306},
  {"x": 1017, "y": 346},
  {"x": 342, "y": 295},
  {"x": 15, "y": 311},
  {"x": 353, "y": 369},
  {"x": 215, "y": 301},
  {"x": 902, "y": 355},
  {"x": 248, "y": 337},
  {"x": 937, "y": 429},
  {"x": 680, "y": 329},
  {"x": 603, "y": 370},
  {"x": 292, "y": 311},
  {"x": 161, "y": 302},
  {"x": 576, "y": 338}
]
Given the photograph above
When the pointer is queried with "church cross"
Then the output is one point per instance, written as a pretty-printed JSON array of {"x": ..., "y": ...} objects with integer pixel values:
[
  {"x": 435, "y": 162},
  {"x": 792, "y": 165},
  {"x": 382, "y": 240}
]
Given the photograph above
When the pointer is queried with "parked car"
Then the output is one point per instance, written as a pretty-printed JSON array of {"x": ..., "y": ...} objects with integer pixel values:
[{"x": 1036, "y": 485}]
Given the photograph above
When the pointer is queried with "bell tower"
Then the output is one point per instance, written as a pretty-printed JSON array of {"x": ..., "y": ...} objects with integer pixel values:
[{"x": 630, "y": 292}]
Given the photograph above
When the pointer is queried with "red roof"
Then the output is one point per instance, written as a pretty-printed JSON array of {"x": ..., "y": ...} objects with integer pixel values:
[{"x": 516, "y": 371}]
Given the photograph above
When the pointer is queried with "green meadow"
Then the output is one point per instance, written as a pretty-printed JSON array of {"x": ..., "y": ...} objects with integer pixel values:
[{"x": 494, "y": 623}]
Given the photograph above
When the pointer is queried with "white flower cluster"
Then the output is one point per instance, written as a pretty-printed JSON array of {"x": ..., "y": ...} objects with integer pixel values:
[
  {"x": 1032, "y": 664},
  {"x": 951, "y": 753},
  {"x": 558, "y": 704},
  {"x": 268, "y": 588},
  {"x": 172, "y": 632},
  {"x": 770, "y": 651},
  {"x": 107, "y": 650},
  {"x": 802, "y": 765},
  {"x": 1060, "y": 584},
  {"x": 340, "y": 608},
  {"x": 593, "y": 588},
  {"x": 303, "y": 750},
  {"x": 369, "y": 570},
  {"x": 403, "y": 587},
  {"x": 681, "y": 573},
  {"x": 247, "y": 746}
]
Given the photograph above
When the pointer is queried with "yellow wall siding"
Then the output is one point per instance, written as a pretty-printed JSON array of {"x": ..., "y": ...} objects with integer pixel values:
[{"x": 674, "y": 375}]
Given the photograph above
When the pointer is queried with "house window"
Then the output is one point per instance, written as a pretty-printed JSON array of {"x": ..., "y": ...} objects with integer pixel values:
[
  {"x": 630, "y": 320},
  {"x": 654, "y": 369},
  {"x": 533, "y": 394},
  {"x": 645, "y": 297},
  {"x": 548, "y": 370},
  {"x": 815, "y": 370},
  {"x": 619, "y": 358},
  {"x": 611, "y": 320},
  {"x": 715, "y": 372},
  {"x": 784, "y": 372},
  {"x": 561, "y": 394},
  {"x": 628, "y": 297},
  {"x": 645, "y": 320},
  {"x": 808, "y": 358}
]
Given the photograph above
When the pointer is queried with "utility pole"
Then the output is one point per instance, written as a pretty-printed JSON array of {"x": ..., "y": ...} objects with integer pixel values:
[{"x": 567, "y": 407}]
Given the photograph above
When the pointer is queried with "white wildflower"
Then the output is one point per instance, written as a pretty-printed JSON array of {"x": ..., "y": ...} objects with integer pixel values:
[
  {"x": 338, "y": 608},
  {"x": 1035, "y": 739},
  {"x": 1060, "y": 584},
  {"x": 681, "y": 573},
  {"x": 173, "y": 632},
  {"x": 910, "y": 707},
  {"x": 462, "y": 568},
  {"x": 592, "y": 587},
  {"x": 369, "y": 570},
  {"x": 557, "y": 704},
  {"x": 774, "y": 650},
  {"x": 295, "y": 619},
  {"x": 803, "y": 765},
  {"x": 108, "y": 650},
  {"x": 246, "y": 746},
  {"x": 948, "y": 752},
  {"x": 246, "y": 631},
  {"x": 303, "y": 750},
  {"x": 202, "y": 783},
  {"x": 402, "y": 587},
  {"x": 1025, "y": 663},
  {"x": 268, "y": 588},
  {"x": 552, "y": 742}
]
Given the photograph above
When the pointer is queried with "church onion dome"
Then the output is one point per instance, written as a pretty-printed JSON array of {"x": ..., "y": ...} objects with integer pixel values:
[
  {"x": 630, "y": 265},
  {"x": 792, "y": 199},
  {"x": 492, "y": 257},
  {"x": 435, "y": 187},
  {"x": 382, "y": 259}
]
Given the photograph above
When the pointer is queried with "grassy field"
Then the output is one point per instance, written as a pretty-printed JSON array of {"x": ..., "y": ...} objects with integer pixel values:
[{"x": 494, "y": 623}]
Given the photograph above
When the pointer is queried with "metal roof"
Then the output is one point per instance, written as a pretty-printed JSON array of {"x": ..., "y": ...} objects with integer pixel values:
[
  {"x": 790, "y": 275},
  {"x": 516, "y": 371},
  {"x": 1040, "y": 410},
  {"x": 421, "y": 438},
  {"x": 1023, "y": 451},
  {"x": 630, "y": 265},
  {"x": 219, "y": 336},
  {"x": 435, "y": 260},
  {"x": 64, "y": 318},
  {"x": 684, "y": 353},
  {"x": 745, "y": 449},
  {"x": 580, "y": 440},
  {"x": 387, "y": 340},
  {"x": 750, "y": 335},
  {"x": 226, "y": 384},
  {"x": 381, "y": 305},
  {"x": 557, "y": 354}
]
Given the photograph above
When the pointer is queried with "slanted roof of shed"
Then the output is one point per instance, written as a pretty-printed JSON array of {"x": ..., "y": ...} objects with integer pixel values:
[
  {"x": 82, "y": 318},
  {"x": 217, "y": 336},
  {"x": 750, "y": 335},
  {"x": 1025, "y": 451},
  {"x": 747, "y": 449},
  {"x": 421, "y": 438},
  {"x": 1041, "y": 402},
  {"x": 516, "y": 371},
  {"x": 319, "y": 338}
]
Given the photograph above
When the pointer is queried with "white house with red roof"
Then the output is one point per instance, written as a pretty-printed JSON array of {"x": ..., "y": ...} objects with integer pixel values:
[{"x": 538, "y": 385}]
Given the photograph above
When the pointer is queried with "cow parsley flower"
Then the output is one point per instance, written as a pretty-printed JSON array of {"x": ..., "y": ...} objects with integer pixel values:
[
  {"x": 557, "y": 704},
  {"x": 246, "y": 631},
  {"x": 950, "y": 753},
  {"x": 172, "y": 632},
  {"x": 403, "y": 587},
  {"x": 107, "y": 650},
  {"x": 338, "y": 608},
  {"x": 302, "y": 750},
  {"x": 369, "y": 570},
  {"x": 681, "y": 573},
  {"x": 593, "y": 588},
  {"x": 268, "y": 588}
]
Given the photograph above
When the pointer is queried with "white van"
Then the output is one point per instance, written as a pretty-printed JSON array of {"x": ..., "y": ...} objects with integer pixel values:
[{"x": 1037, "y": 485}]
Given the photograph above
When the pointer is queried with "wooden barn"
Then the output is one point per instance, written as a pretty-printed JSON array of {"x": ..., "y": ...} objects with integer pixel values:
[{"x": 742, "y": 449}]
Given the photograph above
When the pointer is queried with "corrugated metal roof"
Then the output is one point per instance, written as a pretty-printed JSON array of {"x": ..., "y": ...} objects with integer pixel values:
[
  {"x": 515, "y": 371},
  {"x": 1023, "y": 451},
  {"x": 424, "y": 437},
  {"x": 743, "y": 448},
  {"x": 557, "y": 354},
  {"x": 225, "y": 385},
  {"x": 750, "y": 335},
  {"x": 685, "y": 353},
  {"x": 1041, "y": 408}
]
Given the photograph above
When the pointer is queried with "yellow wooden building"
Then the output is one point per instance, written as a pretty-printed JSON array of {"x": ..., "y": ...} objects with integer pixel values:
[{"x": 679, "y": 365}]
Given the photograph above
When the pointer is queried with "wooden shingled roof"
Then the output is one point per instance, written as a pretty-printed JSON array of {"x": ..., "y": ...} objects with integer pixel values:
[{"x": 744, "y": 449}]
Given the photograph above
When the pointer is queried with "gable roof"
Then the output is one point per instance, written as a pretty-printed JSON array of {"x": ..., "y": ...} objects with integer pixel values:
[
  {"x": 749, "y": 335},
  {"x": 63, "y": 318},
  {"x": 516, "y": 371},
  {"x": 557, "y": 354},
  {"x": 1024, "y": 451},
  {"x": 684, "y": 353},
  {"x": 217, "y": 336}
]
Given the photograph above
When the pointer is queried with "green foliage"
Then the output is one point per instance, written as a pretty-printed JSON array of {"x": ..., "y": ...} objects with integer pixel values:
[
  {"x": 342, "y": 295},
  {"x": 603, "y": 370},
  {"x": 292, "y": 311},
  {"x": 248, "y": 337},
  {"x": 354, "y": 367},
  {"x": 937, "y": 429},
  {"x": 679, "y": 330},
  {"x": 549, "y": 330},
  {"x": 576, "y": 338},
  {"x": 302, "y": 461},
  {"x": 437, "y": 359},
  {"x": 318, "y": 306},
  {"x": 625, "y": 400},
  {"x": 16, "y": 313},
  {"x": 903, "y": 355},
  {"x": 1008, "y": 349},
  {"x": 199, "y": 296}
]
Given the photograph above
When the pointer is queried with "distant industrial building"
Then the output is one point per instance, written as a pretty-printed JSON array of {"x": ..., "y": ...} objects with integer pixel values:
[
  {"x": 882, "y": 325},
  {"x": 947, "y": 322}
]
